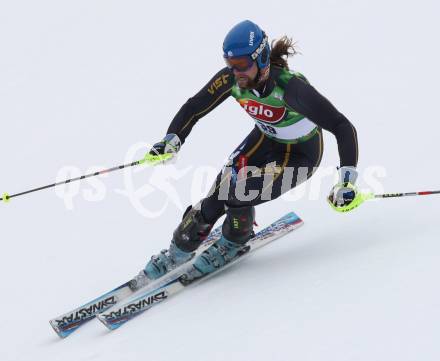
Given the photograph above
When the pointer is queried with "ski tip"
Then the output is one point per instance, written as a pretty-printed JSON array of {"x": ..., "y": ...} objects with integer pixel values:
[
  {"x": 64, "y": 327},
  {"x": 109, "y": 326},
  {"x": 292, "y": 217},
  {"x": 62, "y": 334}
]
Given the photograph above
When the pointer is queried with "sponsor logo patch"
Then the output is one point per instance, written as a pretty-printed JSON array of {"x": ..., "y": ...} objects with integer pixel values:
[
  {"x": 263, "y": 112},
  {"x": 251, "y": 38},
  {"x": 218, "y": 83}
]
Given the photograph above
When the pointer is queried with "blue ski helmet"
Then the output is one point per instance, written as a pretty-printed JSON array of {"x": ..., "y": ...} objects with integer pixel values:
[{"x": 246, "y": 38}]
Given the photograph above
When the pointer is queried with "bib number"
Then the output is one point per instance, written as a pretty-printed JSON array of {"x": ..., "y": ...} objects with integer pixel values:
[{"x": 267, "y": 129}]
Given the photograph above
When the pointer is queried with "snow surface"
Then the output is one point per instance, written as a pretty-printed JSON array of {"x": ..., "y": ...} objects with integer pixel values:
[{"x": 83, "y": 81}]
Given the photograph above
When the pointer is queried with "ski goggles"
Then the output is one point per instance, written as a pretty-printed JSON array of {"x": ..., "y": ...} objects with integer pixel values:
[
  {"x": 241, "y": 63},
  {"x": 244, "y": 63}
]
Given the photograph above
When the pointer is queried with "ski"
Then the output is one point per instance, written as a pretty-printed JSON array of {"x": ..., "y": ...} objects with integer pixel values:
[
  {"x": 69, "y": 322},
  {"x": 155, "y": 293}
]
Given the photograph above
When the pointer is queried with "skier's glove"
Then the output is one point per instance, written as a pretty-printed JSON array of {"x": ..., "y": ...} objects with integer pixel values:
[
  {"x": 164, "y": 150},
  {"x": 169, "y": 144},
  {"x": 344, "y": 196}
]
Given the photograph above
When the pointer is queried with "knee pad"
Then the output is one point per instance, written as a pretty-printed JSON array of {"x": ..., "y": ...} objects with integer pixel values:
[
  {"x": 191, "y": 231},
  {"x": 238, "y": 225}
]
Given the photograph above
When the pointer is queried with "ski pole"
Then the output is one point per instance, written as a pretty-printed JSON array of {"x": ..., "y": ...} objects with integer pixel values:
[
  {"x": 408, "y": 194},
  {"x": 149, "y": 159},
  {"x": 362, "y": 197}
]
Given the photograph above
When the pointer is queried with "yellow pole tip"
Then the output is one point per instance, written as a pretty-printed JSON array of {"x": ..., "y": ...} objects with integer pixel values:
[{"x": 6, "y": 197}]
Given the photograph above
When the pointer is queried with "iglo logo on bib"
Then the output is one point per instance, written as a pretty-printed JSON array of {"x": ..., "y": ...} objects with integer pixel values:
[{"x": 263, "y": 112}]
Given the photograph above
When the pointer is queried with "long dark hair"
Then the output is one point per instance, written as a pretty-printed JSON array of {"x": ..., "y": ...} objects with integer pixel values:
[{"x": 281, "y": 50}]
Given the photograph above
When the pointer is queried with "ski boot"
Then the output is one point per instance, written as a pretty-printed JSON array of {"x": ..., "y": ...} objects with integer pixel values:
[
  {"x": 160, "y": 264},
  {"x": 238, "y": 226},
  {"x": 219, "y": 254},
  {"x": 186, "y": 239}
]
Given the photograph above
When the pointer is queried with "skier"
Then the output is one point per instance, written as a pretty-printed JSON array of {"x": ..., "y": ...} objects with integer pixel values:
[{"x": 289, "y": 116}]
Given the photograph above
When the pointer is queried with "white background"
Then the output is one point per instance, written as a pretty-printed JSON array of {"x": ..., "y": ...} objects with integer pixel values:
[{"x": 83, "y": 81}]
